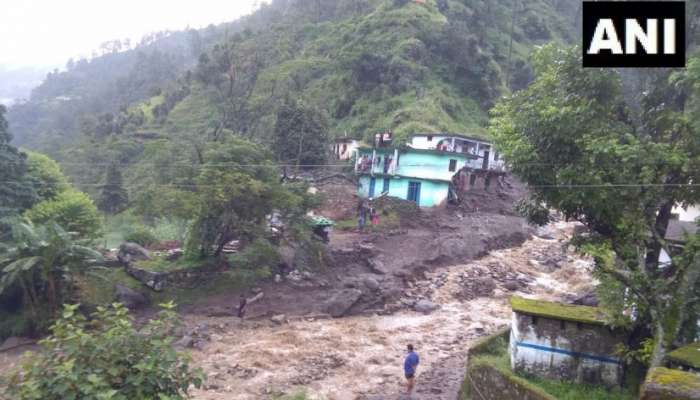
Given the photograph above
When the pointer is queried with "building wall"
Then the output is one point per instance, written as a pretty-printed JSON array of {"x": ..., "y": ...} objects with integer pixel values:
[
  {"x": 496, "y": 162},
  {"x": 431, "y": 193},
  {"x": 689, "y": 214},
  {"x": 558, "y": 349},
  {"x": 350, "y": 148},
  {"x": 416, "y": 164}
]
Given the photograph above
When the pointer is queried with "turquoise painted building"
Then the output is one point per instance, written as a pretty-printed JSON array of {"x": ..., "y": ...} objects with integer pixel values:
[{"x": 419, "y": 175}]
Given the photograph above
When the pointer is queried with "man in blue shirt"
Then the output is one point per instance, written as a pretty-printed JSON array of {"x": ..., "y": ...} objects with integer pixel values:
[{"x": 409, "y": 368}]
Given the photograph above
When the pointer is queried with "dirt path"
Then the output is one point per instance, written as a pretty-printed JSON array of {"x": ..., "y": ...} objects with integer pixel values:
[{"x": 360, "y": 357}]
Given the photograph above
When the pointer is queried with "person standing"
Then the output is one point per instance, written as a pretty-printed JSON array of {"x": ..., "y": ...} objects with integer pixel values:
[
  {"x": 361, "y": 216},
  {"x": 410, "y": 365},
  {"x": 241, "y": 307}
]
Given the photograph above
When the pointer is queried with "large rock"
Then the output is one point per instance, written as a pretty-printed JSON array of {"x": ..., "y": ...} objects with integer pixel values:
[
  {"x": 130, "y": 252},
  {"x": 425, "y": 306},
  {"x": 129, "y": 297},
  {"x": 154, "y": 280},
  {"x": 370, "y": 283},
  {"x": 377, "y": 266},
  {"x": 340, "y": 304},
  {"x": 287, "y": 257}
]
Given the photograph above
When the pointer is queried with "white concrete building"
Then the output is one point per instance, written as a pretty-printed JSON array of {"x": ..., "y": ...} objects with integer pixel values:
[
  {"x": 344, "y": 148},
  {"x": 487, "y": 157}
]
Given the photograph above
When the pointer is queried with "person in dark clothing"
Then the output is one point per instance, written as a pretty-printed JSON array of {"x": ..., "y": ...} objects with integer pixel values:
[
  {"x": 241, "y": 307},
  {"x": 410, "y": 365}
]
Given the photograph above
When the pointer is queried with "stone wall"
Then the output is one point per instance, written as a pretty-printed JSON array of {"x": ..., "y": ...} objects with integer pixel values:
[
  {"x": 484, "y": 380},
  {"x": 567, "y": 350}
]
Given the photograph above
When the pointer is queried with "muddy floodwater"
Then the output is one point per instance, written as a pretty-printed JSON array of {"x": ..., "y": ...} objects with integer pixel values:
[{"x": 360, "y": 357}]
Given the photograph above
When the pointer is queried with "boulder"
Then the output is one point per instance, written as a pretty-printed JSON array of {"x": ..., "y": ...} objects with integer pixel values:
[
  {"x": 287, "y": 257},
  {"x": 341, "y": 302},
  {"x": 129, "y": 252},
  {"x": 371, "y": 283},
  {"x": 512, "y": 285},
  {"x": 377, "y": 266},
  {"x": 279, "y": 319},
  {"x": 154, "y": 280},
  {"x": 589, "y": 299},
  {"x": 129, "y": 297},
  {"x": 185, "y": 343},
  {"x": 425, "y": 306}
]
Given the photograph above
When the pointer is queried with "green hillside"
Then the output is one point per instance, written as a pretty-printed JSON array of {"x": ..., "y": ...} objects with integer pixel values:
[{"x": 355, "y": 66}]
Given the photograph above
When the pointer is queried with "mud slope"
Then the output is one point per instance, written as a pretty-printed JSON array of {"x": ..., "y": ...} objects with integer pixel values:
[{"x": 360, "y": 357}]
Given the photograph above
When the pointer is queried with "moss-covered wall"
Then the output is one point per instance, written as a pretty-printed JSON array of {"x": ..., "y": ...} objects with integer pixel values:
[
  {"x": 488, "y": 375},
  {"x": 671, "y": 384}
]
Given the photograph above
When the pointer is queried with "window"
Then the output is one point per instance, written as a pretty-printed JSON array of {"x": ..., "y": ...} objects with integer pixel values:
[
  {"x": 385, "y": 188},
  {"x": 453, "y": 165},
  {"x": 430, "y": 138}
]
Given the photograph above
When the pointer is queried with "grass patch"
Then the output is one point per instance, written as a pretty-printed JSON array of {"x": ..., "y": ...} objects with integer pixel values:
[
  {"x": 160, "y": 264},
  {"x": 569, "y": 312}
]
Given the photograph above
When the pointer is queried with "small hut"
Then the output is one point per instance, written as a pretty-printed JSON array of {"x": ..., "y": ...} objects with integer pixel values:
[{"x": 564, "y": 342}]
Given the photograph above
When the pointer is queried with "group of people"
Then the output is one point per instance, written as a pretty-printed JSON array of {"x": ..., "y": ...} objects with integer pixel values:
[{"x": 365, "y": 212}]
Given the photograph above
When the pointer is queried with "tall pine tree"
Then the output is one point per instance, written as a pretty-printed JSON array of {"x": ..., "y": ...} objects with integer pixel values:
[
  {"x": 113, "y": 196},
  {"x": 16, "y": 190}
]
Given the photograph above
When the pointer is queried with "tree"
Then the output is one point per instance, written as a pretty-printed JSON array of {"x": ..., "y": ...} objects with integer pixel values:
[
  {"x": 301, "y": 134},
  {"x": 238, "y": 188},
  {"x": 71, "y": 209},
  {"x": 41, "y": 261},
  {"x": 113, "y": 197},
  {"x": 107, "y": 357},
  {"x": 16, "y": 190},
  {"x": 46, "y": 174},
  {"x": 573, "y": 138}
]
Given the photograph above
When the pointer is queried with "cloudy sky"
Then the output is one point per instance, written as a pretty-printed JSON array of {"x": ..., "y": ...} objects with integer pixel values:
[{"x": 49, "y": 32}]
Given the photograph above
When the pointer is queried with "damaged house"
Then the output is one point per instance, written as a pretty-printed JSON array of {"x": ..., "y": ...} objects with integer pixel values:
[{"x": 429, "y": 171}]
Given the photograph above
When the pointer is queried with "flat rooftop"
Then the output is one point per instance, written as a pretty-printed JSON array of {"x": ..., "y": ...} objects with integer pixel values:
[{"x": 559, "y": 311}]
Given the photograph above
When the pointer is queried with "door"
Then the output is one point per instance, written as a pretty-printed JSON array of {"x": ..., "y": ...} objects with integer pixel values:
[
  {"x": 486, "y": 160},
  {"x": 372, "y": 186},
  {"x": 414, "y": 192},
  {"x": 385, "y": 189}
]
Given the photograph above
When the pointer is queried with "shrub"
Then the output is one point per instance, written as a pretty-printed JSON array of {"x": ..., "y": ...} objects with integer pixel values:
[
  {"x": 71, "y": 209},
  {"x": 142, "y": 236},
  {"x": 260, "y": 254},
  {"x": 106, "y": 358}
]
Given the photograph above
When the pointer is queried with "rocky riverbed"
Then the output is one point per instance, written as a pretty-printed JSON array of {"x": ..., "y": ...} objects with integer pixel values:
[{"x": 440, "y": 311}]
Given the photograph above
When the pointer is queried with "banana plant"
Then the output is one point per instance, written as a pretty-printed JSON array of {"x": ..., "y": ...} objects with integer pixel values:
[{"x": 41, "y": 260}]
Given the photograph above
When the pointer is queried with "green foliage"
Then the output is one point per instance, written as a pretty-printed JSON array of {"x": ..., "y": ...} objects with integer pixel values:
[
  {"x": 113, "y": 196},
  {"x": 71, "y": 209},
  {"x": 619, "y": 167},
  {"x": 47, "y": 175},
  {"x": 16, "y": 191},
  {"x": 237, "y": 189},
  {"x": 260, "y": 256},
  {"x": 141, "y": 235},
  {"x": 300, "y": 134},
  {"x": 535, "y": 213},
  {"x": 40, "y": 261},
  {"x": 106, "y": 357}
]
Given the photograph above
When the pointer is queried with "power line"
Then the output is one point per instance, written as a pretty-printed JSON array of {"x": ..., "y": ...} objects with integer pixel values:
[{"x": 560, "y": 186}]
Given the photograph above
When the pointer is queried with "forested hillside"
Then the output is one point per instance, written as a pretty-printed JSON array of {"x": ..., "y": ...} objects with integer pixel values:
[{"x": 327, "y": 69}]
